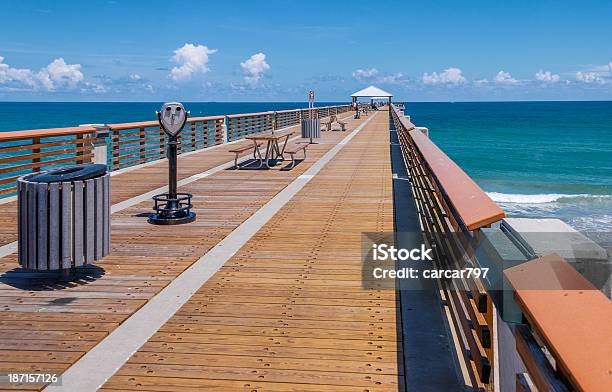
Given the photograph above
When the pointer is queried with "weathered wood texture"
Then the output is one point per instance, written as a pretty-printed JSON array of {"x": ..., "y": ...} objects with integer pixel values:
[
  {"x": 288, "y": 311},
  {"x": 47, "y": 324}
]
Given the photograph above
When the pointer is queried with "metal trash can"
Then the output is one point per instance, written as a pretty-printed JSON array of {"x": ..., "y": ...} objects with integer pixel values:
[
  {"x": 63, "y": 217},
  {"x": 311, "y": 128}
]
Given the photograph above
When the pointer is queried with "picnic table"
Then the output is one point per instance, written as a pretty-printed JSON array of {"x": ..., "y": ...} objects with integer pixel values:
[{"x": 273, "y": 149}]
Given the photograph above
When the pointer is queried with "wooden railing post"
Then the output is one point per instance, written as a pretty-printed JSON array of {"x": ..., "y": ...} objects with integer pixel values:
[
  {"x": 225, "y": 130},
  {"x": 193, "y": 135},
  {"x": 115, "y": 141},
  {"x": 99, "y": 144},
  {"x": 142, "y": 143},
  {"x": 36, "y": 141}
]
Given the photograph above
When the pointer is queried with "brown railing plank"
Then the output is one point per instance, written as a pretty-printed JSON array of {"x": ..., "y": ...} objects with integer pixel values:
[
  {"x": 472, "y": 204},
  {"x": 573, "y": 318},
  {"x": 51, "y": 132}
]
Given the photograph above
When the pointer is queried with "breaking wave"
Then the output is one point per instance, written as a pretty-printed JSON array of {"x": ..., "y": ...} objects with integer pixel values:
[{"x": 545, "y": 198}]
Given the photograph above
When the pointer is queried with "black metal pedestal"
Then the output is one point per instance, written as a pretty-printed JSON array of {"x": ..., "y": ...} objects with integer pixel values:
[{"x": 172, "y": 208}]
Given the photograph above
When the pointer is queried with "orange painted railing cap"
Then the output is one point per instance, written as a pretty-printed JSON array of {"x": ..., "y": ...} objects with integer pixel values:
[
  {"x": 288, "y": 110},
  {"x": 472, "y": 204},
  {"x": 29, "y": 134},
  {"x": 133, "y": 125},
  {"x": 249, "y": 114},
  {"x": 572, "y": 317},
  {"x": 206, "y": 118},
  {"x": 155, "y": 123}
]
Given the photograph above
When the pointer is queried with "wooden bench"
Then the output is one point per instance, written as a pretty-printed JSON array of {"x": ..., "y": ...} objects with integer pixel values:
[
  {"x": 242, "y": 148},
  {"x": 334, "y": 119},
  {"x": 293, "y": 149}
]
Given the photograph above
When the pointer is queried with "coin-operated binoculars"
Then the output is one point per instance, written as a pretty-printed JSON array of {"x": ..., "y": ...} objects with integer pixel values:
[{"x": 172, "y": 208}]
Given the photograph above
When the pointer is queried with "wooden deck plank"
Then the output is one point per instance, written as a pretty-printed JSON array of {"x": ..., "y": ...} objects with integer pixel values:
[
  {"x": 158, "y": 384},
  {"x": 308, "y": 319}
]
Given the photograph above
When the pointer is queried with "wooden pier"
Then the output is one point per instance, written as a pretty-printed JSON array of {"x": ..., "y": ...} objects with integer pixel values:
[
  {"x": 287, "y": 309},
  {"x": 265, "y": 290}
]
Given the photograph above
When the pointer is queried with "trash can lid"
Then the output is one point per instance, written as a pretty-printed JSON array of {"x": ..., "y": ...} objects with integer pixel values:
[{"x": 69, "y": 173}]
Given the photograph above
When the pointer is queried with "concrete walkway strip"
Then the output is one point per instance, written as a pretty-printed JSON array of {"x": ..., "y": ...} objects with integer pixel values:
[{"x": 93, "y": 369}]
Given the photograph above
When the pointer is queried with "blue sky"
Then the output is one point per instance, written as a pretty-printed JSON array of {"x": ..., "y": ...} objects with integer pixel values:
[{"x": 278, "y": 50}]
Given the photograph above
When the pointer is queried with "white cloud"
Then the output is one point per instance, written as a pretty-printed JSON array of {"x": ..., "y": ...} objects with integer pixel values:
[
  {"x": 135, "y": 77},
  {"x": 547, "y": 77},
  {"x": 604, "y": 68},
  {"x": 19, "y": 75},
  {"x": 504, "y": 77},
  {"x": 94, "y": 87},
  {"x": 254, "y": 68},
  {"x": 365, "y": 73},
  {"x": 191, "y": 59},
  {"x": 589, "y": 77},
  {"x": 396, "y": 78},
  {"x": 448, "y": 76},
  {"x": 58, "y": 74}
]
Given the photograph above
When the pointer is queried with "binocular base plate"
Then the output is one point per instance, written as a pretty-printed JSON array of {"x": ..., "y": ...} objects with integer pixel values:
[
  {"x": 164, "y": 219},
  {"x": 172, "y": 209}
]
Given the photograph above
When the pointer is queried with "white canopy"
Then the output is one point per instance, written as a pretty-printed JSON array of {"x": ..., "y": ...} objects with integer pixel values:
[{"x": 373, "y": 92}]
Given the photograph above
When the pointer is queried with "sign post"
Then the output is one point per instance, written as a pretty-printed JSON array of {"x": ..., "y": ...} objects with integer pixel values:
[{"x": 311, "y": 126}]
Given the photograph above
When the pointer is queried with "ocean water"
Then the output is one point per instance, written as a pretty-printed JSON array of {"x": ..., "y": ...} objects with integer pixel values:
[
  {"x": 536, "y": 159},
  {"x": 38, "y": 115}
]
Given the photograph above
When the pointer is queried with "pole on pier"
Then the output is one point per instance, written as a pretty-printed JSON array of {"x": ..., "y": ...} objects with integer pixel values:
[{"x": 311, "y": 98}]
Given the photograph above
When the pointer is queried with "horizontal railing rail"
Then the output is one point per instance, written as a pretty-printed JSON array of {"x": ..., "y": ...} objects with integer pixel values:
[
  {"x": 448, "y": 203},
  {"x": 140, "y": 142},
  {"x": 565, "y": 343},
  {"x": 287, "y": 118},
  {"x": 129, "y": 144},
  {"x": 241, "y": 125},
  {"x": 23, "y": 152}
]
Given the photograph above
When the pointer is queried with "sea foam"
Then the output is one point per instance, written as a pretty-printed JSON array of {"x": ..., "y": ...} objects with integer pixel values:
[{"x": 545, "y": 198}]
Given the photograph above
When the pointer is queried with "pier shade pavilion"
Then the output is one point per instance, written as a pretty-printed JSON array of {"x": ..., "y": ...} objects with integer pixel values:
[{"x": 373, "y": 93}]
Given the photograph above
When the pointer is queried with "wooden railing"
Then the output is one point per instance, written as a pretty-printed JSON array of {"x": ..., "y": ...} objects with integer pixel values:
[
  {"x": 129, "y": 144},
  {"x": 451, "y": 206},
  {"x": 241, "y": 125},
  {"x": 23, "y": 152},
  {"x": 566, "y": 343},
  {"x": 287, "y": 118},
  {"x": 140, "y": 142}
]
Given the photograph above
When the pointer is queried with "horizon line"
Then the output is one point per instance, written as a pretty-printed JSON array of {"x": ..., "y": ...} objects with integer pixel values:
[{"x": 329, "y": 101}]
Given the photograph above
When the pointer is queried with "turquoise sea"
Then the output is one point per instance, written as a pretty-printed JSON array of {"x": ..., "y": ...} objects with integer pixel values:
[{"x": 537, "y": 159}]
